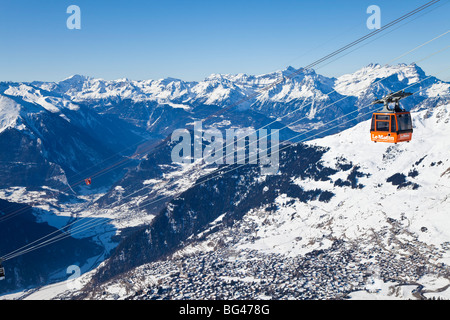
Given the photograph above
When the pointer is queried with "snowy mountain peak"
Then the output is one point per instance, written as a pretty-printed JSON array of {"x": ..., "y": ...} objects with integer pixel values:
[
  {"x": 9, "y": 114},
  {"x": 300, "y": 72},
  {"x": 76, "y": 78},
  {"x": 392, "y": 77}
]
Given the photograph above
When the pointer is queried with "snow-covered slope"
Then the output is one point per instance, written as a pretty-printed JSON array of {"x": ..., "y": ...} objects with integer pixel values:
[
  {"x": 407, "y": 182},
  {"x": 49, "y": 140},
  {"x": 9, "y": 117}
]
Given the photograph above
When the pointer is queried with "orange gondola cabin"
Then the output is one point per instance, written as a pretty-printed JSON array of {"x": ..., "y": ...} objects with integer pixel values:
[{"x": 391, "y": 124}]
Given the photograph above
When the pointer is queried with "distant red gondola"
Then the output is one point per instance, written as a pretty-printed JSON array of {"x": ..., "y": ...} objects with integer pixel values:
[{"x": 88, "y": 181}]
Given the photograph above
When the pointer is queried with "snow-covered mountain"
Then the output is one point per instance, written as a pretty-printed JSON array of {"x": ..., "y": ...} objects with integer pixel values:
[
  {"x": 218, "y": 89},
  {"x": 344, "y": 218},
  {"x": 72, "y": 124},
  {"x": 357, "y": 217},
  {"x": 297, "y": 97},
  {"x": 52, "y": 141}
]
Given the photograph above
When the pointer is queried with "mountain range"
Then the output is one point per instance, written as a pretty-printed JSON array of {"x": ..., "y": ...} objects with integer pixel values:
[
  {"x": 336, "y": 196},
  {"x": 79, "y": 122}
]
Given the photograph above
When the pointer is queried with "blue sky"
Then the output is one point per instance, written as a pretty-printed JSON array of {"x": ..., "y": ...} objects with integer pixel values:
[{"x": 191, "y": 39}]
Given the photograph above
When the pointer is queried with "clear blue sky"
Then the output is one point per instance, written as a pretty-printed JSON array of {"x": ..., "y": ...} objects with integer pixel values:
[{"x": 190, "y": 39}]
